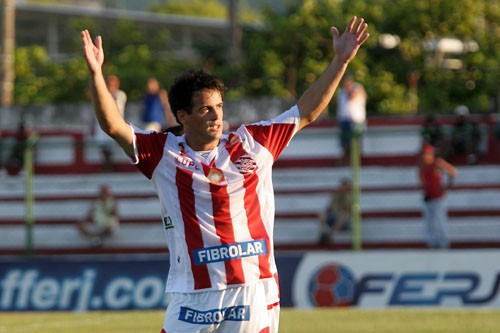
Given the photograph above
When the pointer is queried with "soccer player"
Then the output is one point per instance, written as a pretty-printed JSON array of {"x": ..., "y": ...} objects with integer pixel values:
[{"x": 216, "y": 191}]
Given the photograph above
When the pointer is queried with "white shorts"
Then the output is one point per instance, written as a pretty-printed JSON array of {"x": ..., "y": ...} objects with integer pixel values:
[{"x": 243, "y": 309}]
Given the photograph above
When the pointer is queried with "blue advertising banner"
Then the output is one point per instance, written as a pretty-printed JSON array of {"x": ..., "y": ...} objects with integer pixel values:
[
  {"x": 364, "y": 279},
  {"x": 92, "y": 283},
  {"x": 76, "y": 284}
]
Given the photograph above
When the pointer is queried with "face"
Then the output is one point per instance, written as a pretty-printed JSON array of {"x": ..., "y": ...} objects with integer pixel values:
[
  {"x": 348, "y": 81},
  {"x": 105, "y": 192},
  {"x": 203, "y": 125},
  {"x": 113, "y": 84},
  {"x": 345, "y": 187},
  {"x": 428, "y": 157},
  {"x": 152, "y": 86}
]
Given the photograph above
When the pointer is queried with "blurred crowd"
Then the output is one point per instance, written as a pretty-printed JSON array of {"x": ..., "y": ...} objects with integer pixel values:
[{"x": 462, "y": 137}]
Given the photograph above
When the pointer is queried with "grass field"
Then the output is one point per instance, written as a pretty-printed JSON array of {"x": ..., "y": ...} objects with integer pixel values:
[{"x": 292, "y": 321}]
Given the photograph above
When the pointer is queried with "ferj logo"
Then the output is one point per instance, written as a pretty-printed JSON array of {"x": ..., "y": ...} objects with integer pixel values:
[
  {"x": 413, "y": 278},
  {"x": 332, "y": 285}
]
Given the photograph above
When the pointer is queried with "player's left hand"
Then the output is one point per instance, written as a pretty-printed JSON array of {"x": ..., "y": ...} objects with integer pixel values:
[
  {"x": 94, "y": 53},
  {"x": 347, "y": 45}
]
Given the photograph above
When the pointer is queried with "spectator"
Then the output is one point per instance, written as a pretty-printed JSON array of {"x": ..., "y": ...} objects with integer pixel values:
[
  {"x": 1, "y": 151},
  {"x": 157, "y": 115},
  {"x": 104, "y": 141},
  {"x": 433, "y": 134},
  {"x": 113, "y": 83},
  {"x": 497, "y": 131},
  {"x": 102, "y": 219},
  {"x": 435, "y": 212},
  {"x": 337, "y": 215},
  {"x": 351, "y": 114},
  {"x": 466, "y": 135},
  {"x": 15, "y": 161}
]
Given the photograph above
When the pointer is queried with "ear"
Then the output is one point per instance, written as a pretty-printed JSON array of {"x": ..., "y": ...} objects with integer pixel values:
[{"x": 181, "y": 115}]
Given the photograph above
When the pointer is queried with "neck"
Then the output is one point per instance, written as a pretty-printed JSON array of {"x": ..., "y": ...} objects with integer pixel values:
[{"x": 201, "y": 146}]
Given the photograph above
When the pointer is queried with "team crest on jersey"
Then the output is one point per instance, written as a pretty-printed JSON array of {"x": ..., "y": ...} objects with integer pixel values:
[
  {"x": 215, "y": 176},
  {"x": 246, "y": 164}
]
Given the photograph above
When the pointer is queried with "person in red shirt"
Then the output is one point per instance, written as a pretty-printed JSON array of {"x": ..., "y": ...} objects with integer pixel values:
[{"x": 431, "y": 169}]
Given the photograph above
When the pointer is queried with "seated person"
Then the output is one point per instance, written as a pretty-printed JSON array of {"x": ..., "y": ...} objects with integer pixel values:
[
  {"x": 15, "y": 162},
  {"x": 102, "y": 220},
  {"x": 432, "y": 133},
  {"x": 337, "y": 214},
  {"x": 466, "y": 135}
]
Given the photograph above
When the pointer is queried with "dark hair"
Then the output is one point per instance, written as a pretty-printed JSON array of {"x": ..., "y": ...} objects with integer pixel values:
[
  {"x": 180, "y": 94},
  {"x": 176, "y": 130}
]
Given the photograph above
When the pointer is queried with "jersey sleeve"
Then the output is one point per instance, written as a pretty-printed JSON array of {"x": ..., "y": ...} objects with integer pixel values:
[
  {"x": 275, "y": 134},
  {"x": 148, "y": 150}
]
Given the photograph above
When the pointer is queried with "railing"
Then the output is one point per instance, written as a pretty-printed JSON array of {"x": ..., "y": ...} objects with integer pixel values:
[
  {"x": 29, "y": 198},
  {"x": 67, "y": 169}
]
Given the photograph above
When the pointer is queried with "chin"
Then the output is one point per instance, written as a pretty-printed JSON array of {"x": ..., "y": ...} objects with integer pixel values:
[
  {"x": 211, "y": 136},
  {"x": 215, "y": 134}
]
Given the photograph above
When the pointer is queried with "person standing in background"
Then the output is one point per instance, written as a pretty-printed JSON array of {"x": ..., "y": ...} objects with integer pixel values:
[
  {"x": 432, "y": 132},
  {"x": 435, "y": 212},
  {"x": 466, "y": 135},
  {"x": 15, "y": 162},
  {"x": 157, "y": 115},
  {"x": 351, "y": 114},
  {"x": 119, "y": 95},
  {"x": 103, "y": 140}
]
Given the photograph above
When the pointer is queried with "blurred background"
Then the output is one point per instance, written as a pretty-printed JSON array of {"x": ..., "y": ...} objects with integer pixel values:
[{"x": 427, "y": 66}]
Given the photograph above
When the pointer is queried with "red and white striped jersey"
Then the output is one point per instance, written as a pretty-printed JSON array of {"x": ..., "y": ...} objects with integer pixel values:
[{"x": 217, "y": 207}]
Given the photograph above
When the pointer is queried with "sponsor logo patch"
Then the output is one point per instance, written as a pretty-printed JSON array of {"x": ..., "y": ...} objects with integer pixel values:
[
  {"x": 215, "y": 316},
  {"x": 225, "y": 252},
  {"x": 167, "y": 222}
]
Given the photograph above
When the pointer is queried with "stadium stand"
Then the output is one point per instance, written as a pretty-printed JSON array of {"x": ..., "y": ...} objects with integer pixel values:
[{"x": 68, "y": 177}]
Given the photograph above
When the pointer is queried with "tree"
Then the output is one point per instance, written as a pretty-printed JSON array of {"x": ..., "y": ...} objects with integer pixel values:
[
  {"x": 205, "y": 8},
  {"x": 7, "y": 52},
  {"x": 40, "y": 80},
  {"x": 294, "y": 46},
  {"x": 421, "y": 26}
]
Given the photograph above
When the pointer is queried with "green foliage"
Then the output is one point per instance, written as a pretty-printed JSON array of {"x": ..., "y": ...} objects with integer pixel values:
[
  {"x": 420, "y": 24},
  {"x": 294, "y": 47},
  {"x": 206, "y": 8},
  {"x": 132, "y": 53},
  {"x": 42, "y": 81},
  {"x": 291, "y": 50},
  {"x": 290, "y": 47}
]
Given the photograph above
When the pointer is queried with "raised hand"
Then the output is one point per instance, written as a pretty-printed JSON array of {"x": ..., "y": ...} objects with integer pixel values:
[
  {"x": 94, "y": 54},
  {"x": 347, "y": 45}
]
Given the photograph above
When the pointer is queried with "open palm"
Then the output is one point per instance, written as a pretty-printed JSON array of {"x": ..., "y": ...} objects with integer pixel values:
[
  {"x": 347, "y": 45},
  {"x": 94, "y": 54}
]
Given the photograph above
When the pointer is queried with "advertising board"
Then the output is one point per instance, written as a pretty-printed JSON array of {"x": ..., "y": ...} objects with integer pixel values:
[
  {"x": 367, "y": 279},
  {"x": 75, "y": 284},
  {"x": 398, "y": 278}
]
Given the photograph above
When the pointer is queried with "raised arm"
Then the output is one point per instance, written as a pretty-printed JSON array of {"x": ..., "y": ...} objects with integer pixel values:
[
  {"x": 105, "y": 107},
  {"x": 317, "y": 97},
  {"x": 449, "y": 169}
]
